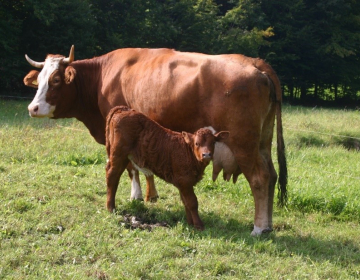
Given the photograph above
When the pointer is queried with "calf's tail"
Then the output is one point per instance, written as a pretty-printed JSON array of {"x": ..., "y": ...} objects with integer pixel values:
[{"x": 117, "y": 109}]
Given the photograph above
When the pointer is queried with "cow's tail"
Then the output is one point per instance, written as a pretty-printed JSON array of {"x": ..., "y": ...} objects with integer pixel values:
[
  {"x": 277, "y": 99},
  {"x": 283, "y": 174}
]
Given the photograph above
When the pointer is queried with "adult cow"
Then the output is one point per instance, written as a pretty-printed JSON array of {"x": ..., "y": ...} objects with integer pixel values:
[{"x": 183, "y": 92}]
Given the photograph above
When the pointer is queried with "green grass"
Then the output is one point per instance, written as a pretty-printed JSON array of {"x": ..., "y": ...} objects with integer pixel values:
[{"x": 53, "y": 222}]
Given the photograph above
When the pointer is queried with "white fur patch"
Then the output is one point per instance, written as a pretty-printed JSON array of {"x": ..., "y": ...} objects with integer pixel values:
[
  {"x": 211, "y": 128},
  {"x": 145, "y": 171},
  {"x": 136, "y": 192},
  {"x": 256, "y": 231}
]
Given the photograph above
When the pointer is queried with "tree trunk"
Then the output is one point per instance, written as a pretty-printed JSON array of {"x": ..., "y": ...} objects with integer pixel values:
[
  {"x": 303, "y": 92},
  {"x": 336, "y": 92}
]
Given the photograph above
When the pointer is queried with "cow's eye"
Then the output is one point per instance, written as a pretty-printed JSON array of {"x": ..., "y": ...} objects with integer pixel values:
[
  {"x": 56, "y": 80},
  {"x": 197, "y": 144}
]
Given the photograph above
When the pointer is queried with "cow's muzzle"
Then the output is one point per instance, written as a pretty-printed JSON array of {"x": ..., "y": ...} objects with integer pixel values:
[
  {"x": 207, "y": 156},
  {"x": 33, "y": 110}
]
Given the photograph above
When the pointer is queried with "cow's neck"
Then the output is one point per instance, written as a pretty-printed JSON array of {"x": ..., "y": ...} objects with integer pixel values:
[{"x": 86, "y": 108}]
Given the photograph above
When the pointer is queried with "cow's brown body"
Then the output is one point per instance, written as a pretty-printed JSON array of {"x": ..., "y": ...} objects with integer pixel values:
[
  {"x": 184, "y": 91},
  {"x": 177, "y": 158}
]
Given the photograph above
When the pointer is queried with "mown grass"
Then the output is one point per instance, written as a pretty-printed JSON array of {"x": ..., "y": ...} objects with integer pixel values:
[{"x": 53, "y": 222}]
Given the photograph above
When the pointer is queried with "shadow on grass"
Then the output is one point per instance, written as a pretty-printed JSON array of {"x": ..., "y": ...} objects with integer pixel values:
[
  {"x": 136, "y": 215},
  {"x": 350, "y": 142},
  {"x": 347, "y": 141},
  {"x": 311, "y": 141}
]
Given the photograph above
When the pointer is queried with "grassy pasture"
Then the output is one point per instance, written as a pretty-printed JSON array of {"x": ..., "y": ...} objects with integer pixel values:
[{"x": 53, "y": 222}]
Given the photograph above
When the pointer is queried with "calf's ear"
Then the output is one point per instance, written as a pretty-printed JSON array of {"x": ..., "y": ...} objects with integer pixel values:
[
  {"x": 30, "y": 79},
  {"x": 188, "y": 137},
  {"x": 70, "y": 74},
  {"x": 221, "y": 136}
]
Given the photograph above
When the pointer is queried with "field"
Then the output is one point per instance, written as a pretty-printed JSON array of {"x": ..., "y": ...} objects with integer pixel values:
[{"x": 53, "y": 222}]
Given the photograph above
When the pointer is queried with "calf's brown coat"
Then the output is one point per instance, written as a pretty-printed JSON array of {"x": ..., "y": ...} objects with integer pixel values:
[{"x": 177, "y": 158}]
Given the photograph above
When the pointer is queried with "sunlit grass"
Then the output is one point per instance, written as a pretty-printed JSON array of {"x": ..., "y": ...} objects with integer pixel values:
[{"x": 53, "y": 222}]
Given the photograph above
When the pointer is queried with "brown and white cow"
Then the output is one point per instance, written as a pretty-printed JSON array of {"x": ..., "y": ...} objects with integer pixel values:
[
  {"x": 177, "y": 158},
  {"x": 183, "y": 92}
]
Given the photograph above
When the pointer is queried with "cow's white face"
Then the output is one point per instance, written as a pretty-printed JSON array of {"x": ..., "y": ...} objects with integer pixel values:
[
  {"x": 39, "y": 107},
  {"x": 54, "y": 74}
]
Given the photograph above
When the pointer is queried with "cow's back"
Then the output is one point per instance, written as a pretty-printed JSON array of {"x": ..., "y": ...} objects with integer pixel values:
[{"x": 185, "y": 91}]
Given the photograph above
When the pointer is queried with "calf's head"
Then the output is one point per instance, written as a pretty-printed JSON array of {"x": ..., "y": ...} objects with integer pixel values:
[
  {"x": 50, "y": 82},
  {"x": 203, "y": 141}
]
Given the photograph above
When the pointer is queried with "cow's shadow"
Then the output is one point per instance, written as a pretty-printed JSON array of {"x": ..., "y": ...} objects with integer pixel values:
[{"x": 136, "y": 215}]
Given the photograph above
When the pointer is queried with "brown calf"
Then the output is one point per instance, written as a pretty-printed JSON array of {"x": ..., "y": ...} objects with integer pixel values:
[{"x": 177, "y": 158}]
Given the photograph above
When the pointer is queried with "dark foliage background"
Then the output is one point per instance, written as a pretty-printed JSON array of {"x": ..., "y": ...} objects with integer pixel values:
[{"x": 312, "y": 44}]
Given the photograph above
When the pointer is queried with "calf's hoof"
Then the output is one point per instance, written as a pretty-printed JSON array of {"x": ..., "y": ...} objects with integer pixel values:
[
  {"x": 111, "y": 209},
  {"x": 199, "y": 228}
]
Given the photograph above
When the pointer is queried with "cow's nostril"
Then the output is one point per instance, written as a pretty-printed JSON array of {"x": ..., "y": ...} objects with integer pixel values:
[{"x": 36, "y": 108}]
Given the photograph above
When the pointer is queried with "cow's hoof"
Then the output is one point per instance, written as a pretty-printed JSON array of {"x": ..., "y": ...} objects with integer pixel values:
[
  {"x": 152, "y": 199},
  {"x": 267, "y": 230},
  {"x": 258, "y": 231},
  {"x": 137, "y": 198}
]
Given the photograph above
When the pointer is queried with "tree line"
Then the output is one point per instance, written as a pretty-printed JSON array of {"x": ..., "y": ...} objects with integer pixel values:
[{"x": 312, "y": 44}]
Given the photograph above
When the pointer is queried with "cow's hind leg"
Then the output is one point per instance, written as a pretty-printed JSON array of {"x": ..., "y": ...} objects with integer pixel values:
[
  {"x": 262, "y": 187},
  {"x": 114, "y": 168},
  {"x": 272, "y": 183},
  {"x": 190, "y": 201},
  {"x": 151, "y": 192},
  {"x": 136, "y": 192}
]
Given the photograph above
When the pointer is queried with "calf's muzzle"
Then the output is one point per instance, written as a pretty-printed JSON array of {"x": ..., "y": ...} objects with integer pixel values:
[{"x": 207, "y": 156}]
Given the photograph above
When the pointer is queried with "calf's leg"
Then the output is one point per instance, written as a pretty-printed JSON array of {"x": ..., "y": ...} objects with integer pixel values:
[
  {"x": 191, "y": 207},
  {"x": 114, "y": 169},
  {"x": 189, "y": 218}
]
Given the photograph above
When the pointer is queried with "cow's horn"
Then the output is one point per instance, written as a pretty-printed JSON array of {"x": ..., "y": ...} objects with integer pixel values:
[
  {"x": 70, "y": 59},
  {"x": 34, "y": 63}
]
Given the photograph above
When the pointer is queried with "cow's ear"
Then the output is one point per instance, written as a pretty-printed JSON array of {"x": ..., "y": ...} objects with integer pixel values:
[
  {"x": 30, "y": 79},
  {"x": 221, "y": 136},
  {"x": 70, "y": 74},
  {"x": 187, "y": 137}
]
